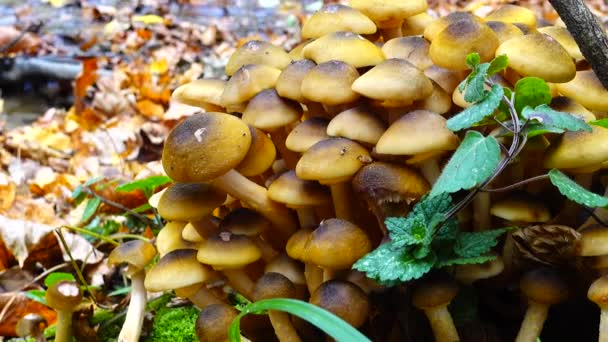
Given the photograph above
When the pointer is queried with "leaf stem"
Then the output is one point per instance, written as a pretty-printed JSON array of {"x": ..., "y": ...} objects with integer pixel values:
[
  {"x": 516, "y": 185},
  {"x": 93, "y": 234}
]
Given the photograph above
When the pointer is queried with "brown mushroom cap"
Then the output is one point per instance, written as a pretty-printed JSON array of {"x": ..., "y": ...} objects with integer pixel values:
[
  {"x": 177, "y": 269},
  {"x": 337, "y": 17},
  {"x": 257, "y": 52},
  {"x": 307, "y": 133},
  {"x": 227, "y": 250},
  {"x": 273, "y": 285},
  {"x": 64, "y": 295},
  {"x": 520, "y": 208},
  {"x": 598, "y": 292},
  {"x": 568, "y": 105},
  {"x": 288, "y": 267},
  {"x": 504, "y": 31},
  {"x": 247, "y": 82},
  {"x": 204, "y": 93},
  {"x": 332, "y": 161},
  {"x": 544, "y": 286},
  {"x": 344, "y": 299},
  {"x": 587, "y": 90},
  {"x": 439, "y": 24},
  {"x": 389, "y": 13},
  {"x": 260, "y": 156},
  {"x": 357, "y": 123},
  {"x": 346, "y": 47},
  {"x": 394, "y": 80},
  {"x": 296, "y": 245},
  {"x": 449, "y": 49},
  {"x": 513, "y": 14},
  {"x": 213, "y": 322},
  {"x": 563, "y": 36},
  {"x": 434, "y": 291},
  {"x": 414, "y": 49},
  {"x": 538, "y": 55},
  {"x": 32, "y": 325},
  {"x": 136, "y": 253},
  {"x": 243, "y": 221},
  {"x": 593, "y": 241},
  {"x": 296, "y": 192},
  {"x": 189, "y": 201},
  {"x": 268, "y": 111},
  {"x": 330, "y": 83},
  {"x": 578, "y": 149},
  {"x": 205, "y": 146},
  {"x": 289, "y": 83}
]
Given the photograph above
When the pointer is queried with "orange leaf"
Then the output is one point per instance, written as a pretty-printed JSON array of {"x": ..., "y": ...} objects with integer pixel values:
[
  {"x": 87, "y": 77},
  {"x": 18, "y": 306},
  {"x": 150, "y": 109}
]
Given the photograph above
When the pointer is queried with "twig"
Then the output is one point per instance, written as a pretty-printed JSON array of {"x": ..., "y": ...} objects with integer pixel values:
[
  {"x": 93, "y": 234},
  {"x": 515, "y": 185},
  {"x": 119, "y": 206},
  {"x": 74, "y": 264}
]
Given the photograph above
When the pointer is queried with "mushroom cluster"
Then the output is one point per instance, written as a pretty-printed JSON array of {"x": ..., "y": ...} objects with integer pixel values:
[{"x": 285, "y": 177}]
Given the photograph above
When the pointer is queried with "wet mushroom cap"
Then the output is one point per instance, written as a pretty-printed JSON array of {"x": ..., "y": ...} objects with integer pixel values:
[
  {"x": 544, "y": 286},
  {"x": 513, "y": 14},
  {"x": 273, "y": 285},
  {"x": 307, "y": 133},
  {"x": 337, "y": 17},
  {"x": 358, "y": 124},
  {"x": 587, "y": 90},
  {"x": 297, "y": 53},
  {"x": 243, "y": 221},
  {"x": 344, "y": 299},
  {"x": 247, "y": 82},
  {"x": 64, "y": 295},
  {"x": 593, "y": 241},
  {"x": 414, "y": 49},
  {"x": 447, "y": 79},
  {"x": 268, "y": 111},
  {"x": 257, "y": 52},
  {"x": 213, "y": 322},
  {"x": 204, "y": 93},
  {"x": 296, "y": 192},
  {"x": 347, "y": 47},
  {"x": 137, "y": 253},
  {"x": 330, "y": 83},
  {"x": 227, "y": 250},
  {"x": 289, "y": 83},
  {"x": 177, "y": 269},
  {"x": 205, "y": 146},
  {"x": 260, "y": 156},
  {"x": 189, "y": 201},
  {"x": 390, "y": 183}
]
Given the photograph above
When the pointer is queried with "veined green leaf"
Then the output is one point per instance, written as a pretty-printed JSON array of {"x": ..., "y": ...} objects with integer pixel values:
[
  {"x": 552, "y": 120},
  {"x": 498, "y": 64},
  {"x": 532, "y": 92},
  {"x": 477, "y": 112},
  {"x": 90, "y": 208},
  {"x": 474, "y": 244},
  {"x": 146, "y": 185},
  {"x": 456, "y": 260},
  {"x": 601, "y": 123},
  {"x": 575, "y": 192}
]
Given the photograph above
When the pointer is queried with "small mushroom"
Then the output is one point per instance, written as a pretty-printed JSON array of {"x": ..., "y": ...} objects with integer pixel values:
[
  {"x": 514, "y": 14},
  {"x": 344, "y": 299},
  {"x": 307, "y": 133},
  {"x": 346, "y": 47},
  {"x": 337, "y": 17},
  {"x": 388, "y": 14},
  {"x": 598, "y": 293},
  {"x": 63, "y": 296},
  {"x": 433, "y": 295},
  {"x": 32, "y": 325},
  {"x": 214, "y": 321},
  {"x": 257, "y": 52},
  {"x": 204, "y": 93}
]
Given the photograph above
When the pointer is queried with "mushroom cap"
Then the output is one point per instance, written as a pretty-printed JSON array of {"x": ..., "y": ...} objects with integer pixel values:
[
  {"x": 337, "y": 244},
  {"x": 439, "y": 101},
  {"x": 289, "y": 83},
  {"x": 468, "y": 273},
  {"x": 190, "y": 234},
  {"x": 136, "y": 253},
  {"x": 260, "y": 156},
  {"x": 346, "y": 47},
  {"x": 449, "y": 49},
  {"x": 417, "y": 132},
  {"x": 169, "y": 238},
  {"x": 297, "y": 52},
  {"x": 513, "y": 14},
  {"x": 333, "y": 160},
  {"x": 578, "y": 149},
  {"x": 337, "y": 17},
  {"x": 64, "y": 295},
  {"x": 414, "y": 49},
  {"x": 268, "y": 111},
  {"x": 593, "y": 241},
  {"x": 307, "y": 133},
  {"x": 389, "y": 13},
  {"x": 587, "y": 90},
  {"x": 447, "y": 79},
  {"x": 344, "y": 299},
  {"x": 189, "y": 201},
  {"x": 257, "y": 52},
  {"x": 31, "y": 324},
  {"x": 227, "y": 250},
  {"x": 273, "y": 285},
  {"x": 598, "y": 292},
  {"x": 544, "y": 286},
  {"x": 213, "y": 322},
  {"x": 521, "y": 208},
  {"x": 298, "y": 193},
  {"x": 330, "y": 83},
  {"x": 177, "y": 269},
  {"x": 439, "y": 24},
  {"x": 568, "y": 105},
  {"x": 288, "y": 267},
  {"x": 357, "y": 123},
  {"x": 563, "y": 36},
  {"x": 247, "y": 82},
  {"x": 296, "y": 245},
  {"x": 384, "y": 182},
  {"x": 504, "y": 31},
  {"x": 394, "y": 80},
  {"x": 243, "y": 221},
  {"x": 416, "y": 24},
  {"x": 205, "y": 93},
  {"x": 538, "y": 55},
  {"x": 434, "y": 291},
  {"x": 205, "y": 146}
]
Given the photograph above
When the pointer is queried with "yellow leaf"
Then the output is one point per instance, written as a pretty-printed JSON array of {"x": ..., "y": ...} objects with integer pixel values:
[
  {"x": 57, "y": 3},
  {"x": 159, "y": 67},
  {"x": 148, "y": 19}
]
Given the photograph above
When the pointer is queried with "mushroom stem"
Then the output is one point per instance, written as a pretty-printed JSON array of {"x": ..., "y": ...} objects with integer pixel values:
[
  {"x": 315, "y": 109},
  {"x": 481, "y": 211},
  {"x": 307, "y": 217},
  {"x": 430, "y": 170},
  {"x": 64, "y": 326},
  {"x": 328, "y": 274},
  {"x": 131, "y": 329},
  {"x": 240, "y": 281},
  {"x": 314, "y": 277},
  {"x": 533, "y": 322},
  {"x": 268, "y": 253},
  {"x": 290, "y": 157},
  {"x": 442, "y": 324},
  {"x": 283, "y": 327},
  {"x": 256, "y": 196},
  {"x": 391, "y": 32},
  {"x": 340, "y": 193},
  {"x": 202, "y": 297},
  {"x": 603, "y": 326}
]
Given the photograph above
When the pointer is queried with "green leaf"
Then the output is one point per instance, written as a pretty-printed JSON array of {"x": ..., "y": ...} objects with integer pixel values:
[
  {"x": 536, "y": 128},
  {"x": 146, "y": 185},
  {"x": 475, "y": 82},
  {"x": 478, "y": 111},
  {"x": 498, "y": 64},
  {"x": 37, "y": 295},
  {"x": 456, "y": 260},
  {"x": 389, "y": 264},
  {"x": 555, "y": 121},
  {"x": 601, "y": 123},
  {"x": 90, "y": 208},
  {"x": 120, "y": 291},
  {"x": 575, "y": 192},
  {"x": 329, "y": 323},
  {"x": 55, "y": 277},
  {"x": 473, "y": 162},
  {"x": 473, "y": 59},
  {"x": 473, "y": 244},
  {"x": 532, "y": 92}
]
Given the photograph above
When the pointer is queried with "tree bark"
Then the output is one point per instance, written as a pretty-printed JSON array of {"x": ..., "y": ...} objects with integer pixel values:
[{"x": 588, "y": 33}]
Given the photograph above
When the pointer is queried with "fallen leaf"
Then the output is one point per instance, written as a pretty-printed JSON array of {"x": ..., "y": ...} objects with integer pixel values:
[
  {"x": 150, "y": 109},
  {"x": 148, "y": 19},
  {"x": 18, "y": 306},
  {"x": 14, "y": 279}
]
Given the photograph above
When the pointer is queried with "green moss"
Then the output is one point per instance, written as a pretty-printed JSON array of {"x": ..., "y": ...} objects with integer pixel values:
[
  {"x": 19, "y": 339},
  {"x": 174, "y": 325}
]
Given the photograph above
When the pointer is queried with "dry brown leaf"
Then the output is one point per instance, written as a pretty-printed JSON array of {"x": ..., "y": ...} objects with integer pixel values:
[
  {"x": 44, "y": 181},
  {"x": 7, "y": 192},
  {"x": 15, "y": 279},
  {"x": 150, "y": 109},
  {"x": 18, "y": 306}
]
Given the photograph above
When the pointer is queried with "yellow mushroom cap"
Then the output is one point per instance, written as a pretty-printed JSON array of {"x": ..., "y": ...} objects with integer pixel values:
[
  {"x": 544, "y": 286},
  {"x": 447, "y": 79},
  {"x": 257, "y": 52},
  {"x": 413, "y": 49},
  {"x": 417, "y": 132},
  {"x": 347, "y": 47},
  {"x": 568, "y": 105},
  {"x": 416, "y": 24},
  {"x": 205, "y": 146},
  {"x": 169, "y": 238},
  {"x": 296, "y": 192},
  {"x": 175, "y": 270},
  {"x": 563, "y": 36},
  {"x": 538, "y": 55},
  {"x": 332, "y": 161},
  {"x": 205, "y": 93},
  {"x": 227, "y": 250},
  {"x": 521, "y": 208},
  {"x": 394, "y": 80},
  {"x": 598, "y": 292},
  {"x": 189, "y": 201},
  {"x": 289, "y": 83},
  {"x": 268, "y": 111},
  {"x": 307, "y": 133},
  {"x": 260, "y": 156},
  {"x": 504, "y": 31},
  {"x": 136, "y": 253},
  {"x": 449, "y": 49},
  {"x": 439, "y": 24},
  {"x": 587, "y": 90},
  {"x": 334, "y": 18},
  {"x": 247, "y": 82},
  {"x": 439, "y": 101},
  {"x": 514, "y": 14},
  {"x": 297, "y": 53},
  {"x": 389, "y": 13},
  {"x": 579, "y": 149},
  {"x": 358, "y": 124},
  {"x": 330, "y": 83}
]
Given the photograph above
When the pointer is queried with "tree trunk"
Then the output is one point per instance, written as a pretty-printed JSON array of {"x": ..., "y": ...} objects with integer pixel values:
[{"x": 588, "y": 34}]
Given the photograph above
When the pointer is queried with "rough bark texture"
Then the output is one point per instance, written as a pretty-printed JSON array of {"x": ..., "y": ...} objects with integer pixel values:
[{"x": 588, "y": 33}]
